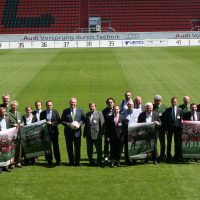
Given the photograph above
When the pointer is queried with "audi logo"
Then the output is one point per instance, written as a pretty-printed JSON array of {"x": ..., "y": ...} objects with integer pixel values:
[{"x": 132, "y": 36}]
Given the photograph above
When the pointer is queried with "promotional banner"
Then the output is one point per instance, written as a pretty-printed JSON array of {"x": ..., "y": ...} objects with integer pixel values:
[
  {"x": 7, "y": 146},
  {"x": 35, "y": 139},
  {"x": 141, "y": 140},
  {"x": 191, "y": 139}
]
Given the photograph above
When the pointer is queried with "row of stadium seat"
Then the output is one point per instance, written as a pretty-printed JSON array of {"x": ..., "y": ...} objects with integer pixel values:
[{"x": 178, "y": 13}]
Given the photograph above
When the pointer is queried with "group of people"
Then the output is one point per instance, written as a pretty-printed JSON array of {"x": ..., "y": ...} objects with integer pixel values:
[{"x": 112, "y": 123}]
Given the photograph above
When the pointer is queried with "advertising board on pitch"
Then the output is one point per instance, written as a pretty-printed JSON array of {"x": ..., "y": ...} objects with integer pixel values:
[
  {"x": 156, "y": 43},
  {"x": 194, "y": 42},
  {"x": 133, "y": 43},
  {"x": 178, "y": 42}
]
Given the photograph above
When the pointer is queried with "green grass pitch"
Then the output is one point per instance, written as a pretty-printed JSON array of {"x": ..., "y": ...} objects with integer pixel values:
[{"x": 94, "y": 75}]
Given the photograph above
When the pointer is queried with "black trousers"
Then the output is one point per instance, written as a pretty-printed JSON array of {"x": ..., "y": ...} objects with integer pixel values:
[
  {"x": 177, "y": 137},
  {"x": 98, "y": 145},
  {"x": 162, "y": 142},
  {"x": 54, "y": 140},
  {"x": 106, "y": 146},
  {"x": 116, "y": 146},
  {"x": 76, "y": 141}
]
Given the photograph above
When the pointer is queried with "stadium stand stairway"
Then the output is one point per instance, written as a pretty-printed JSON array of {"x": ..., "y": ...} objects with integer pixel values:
[{"x": 39, "y": 16}]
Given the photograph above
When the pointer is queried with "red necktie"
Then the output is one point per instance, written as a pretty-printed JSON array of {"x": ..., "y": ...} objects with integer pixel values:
[
  {"x": 194, "y": 117},
  {"x": 116, "y": 120}
]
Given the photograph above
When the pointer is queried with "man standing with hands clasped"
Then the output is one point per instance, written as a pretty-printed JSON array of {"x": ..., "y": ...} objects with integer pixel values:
[
  {"x": 116, "y": 131},
  {"x": 73, "y": 136},
  {"x": 53, "y": 120},
  {"x": 173, "y": 124},
  {"x": 93, "y": 131}
]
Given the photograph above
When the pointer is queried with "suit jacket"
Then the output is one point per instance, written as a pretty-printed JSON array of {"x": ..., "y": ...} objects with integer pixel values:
[
  {"x": 34, "y": 119},
  {"x": 155, "y": 117},
  {"x": 169, "y": 123},
  {"x": 55, "y": 120},
  {"x": 34, "y": 113},
  {"x": 116, "y": 131},
  {"x": 95, "y": 128},
  {"x": 187, "y": 116},
  {"x": 15, "y": 119},
  {"x": 143, "y": 107},
  {"x": 67, "y": 118},
  {"x": 7, "y": 119}
]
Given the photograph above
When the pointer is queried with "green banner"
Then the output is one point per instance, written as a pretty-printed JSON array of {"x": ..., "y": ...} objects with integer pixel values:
[
  {"x": 141, "y": 140},
  {"x": 35, "y": 139},
  {"x": 7, "y": 146},
  {"x": 191, "y": 139}
]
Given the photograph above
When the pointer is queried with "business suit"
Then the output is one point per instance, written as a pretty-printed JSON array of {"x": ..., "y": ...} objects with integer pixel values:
[
  {"x": 155, "y": 117},
  {"x": 53, "y": 133},
  {"x": 187, "y": 116},
  {"x": 142, "y": 107},
  {"x": 73, "y": 136},
  {"x": 116, "y": 136},
  {"x": 34, "y": 113},
  {"x": 26, "y": 160},
  {"x": 16, "y": 118},
  {"x": 173, "y": 127},
  {"x": 93, "y": 131}
]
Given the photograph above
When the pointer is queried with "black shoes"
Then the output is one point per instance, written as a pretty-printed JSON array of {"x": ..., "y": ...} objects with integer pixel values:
[
  {"x": 7, "y": 170},
  {"x": 118, "y": 164},
  {"x": 112, "y": 165},
  {"x": 90, "y": 163},
  {"x": 70, "y": 164},
  {"x": 78, "y": 164},
  {"x": 58, "y": 163},
  {"x": 155, "y": 162}
]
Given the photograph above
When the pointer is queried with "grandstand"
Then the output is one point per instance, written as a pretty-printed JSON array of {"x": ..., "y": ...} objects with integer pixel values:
[{"x": 67, "y": 16}]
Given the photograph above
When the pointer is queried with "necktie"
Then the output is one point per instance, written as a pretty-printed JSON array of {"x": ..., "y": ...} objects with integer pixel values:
[
  {"x": 194, "y": 119},
  {"x": 174, "y": 117},
  {"x": 116, "y": 120},
  {"x": 73, "y": 115}
]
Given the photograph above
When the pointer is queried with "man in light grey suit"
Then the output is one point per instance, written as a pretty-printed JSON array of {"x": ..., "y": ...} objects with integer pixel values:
[
  {"x": 73, "y": 136},
  {"x": 93, "y": 131}
]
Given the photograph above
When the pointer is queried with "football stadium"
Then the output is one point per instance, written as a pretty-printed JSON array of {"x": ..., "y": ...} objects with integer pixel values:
[{"x": 93, "y": 50}]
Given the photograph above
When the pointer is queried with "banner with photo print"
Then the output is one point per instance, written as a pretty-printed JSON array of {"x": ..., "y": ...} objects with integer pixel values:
[
  {"x": 141, "y": 140},
  {"x": 35, "y": 139},
  {"x": 7, "y": 146},
  {"x": 191, "y": 139}
]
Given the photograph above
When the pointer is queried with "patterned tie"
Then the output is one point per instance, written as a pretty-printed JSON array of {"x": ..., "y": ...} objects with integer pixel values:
[{"x": 116, "y": 120}]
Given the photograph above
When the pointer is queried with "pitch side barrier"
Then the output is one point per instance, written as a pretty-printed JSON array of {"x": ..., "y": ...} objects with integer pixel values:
[{"x": 89, "y": 40}]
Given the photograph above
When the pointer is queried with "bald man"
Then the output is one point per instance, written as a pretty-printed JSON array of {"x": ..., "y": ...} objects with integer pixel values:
[
  {"x": 138, "y": 105},
  {"x": 185, "y": 106}
]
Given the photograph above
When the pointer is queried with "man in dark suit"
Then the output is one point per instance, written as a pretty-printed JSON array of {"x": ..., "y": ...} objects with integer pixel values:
[
  {"x": 6, "y": 100},
  {"x": 4, "y": 124},
  {"x": 106, "y": 113},
  {"x": 16, "y": 120},
  {"x": 193, "y": 115},
  {"x": 150, "y": 116},
  {"x": 38, "y": 105},
  {"x": 73, "y": 136},
  {"x": 173, "y": 124},
  {"x": 93, "y": 131},
  {"x": 138, "y": 105},
  {"x": 116, "y": 131},
  {"x": 53, "y": 120}
]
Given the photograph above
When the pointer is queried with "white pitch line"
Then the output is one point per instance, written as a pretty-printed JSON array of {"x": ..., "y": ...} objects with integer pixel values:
[{"x": 86, "y": 74}]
